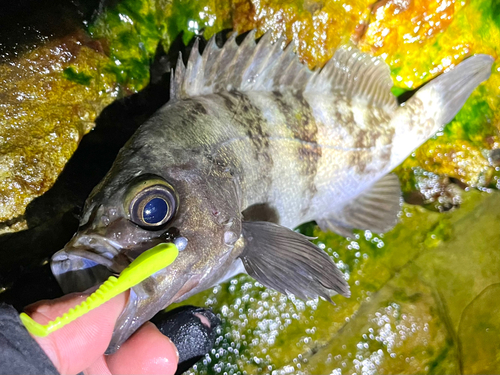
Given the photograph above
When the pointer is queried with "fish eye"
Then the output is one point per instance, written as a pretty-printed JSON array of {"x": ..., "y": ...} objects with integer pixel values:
[
  {"x": 155, "y": 211},
  {"x": 151, "y": 203}
]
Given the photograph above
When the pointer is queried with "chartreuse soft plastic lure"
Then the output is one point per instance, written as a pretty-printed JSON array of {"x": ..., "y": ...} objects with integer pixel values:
[{"x": 146, "y": 264}]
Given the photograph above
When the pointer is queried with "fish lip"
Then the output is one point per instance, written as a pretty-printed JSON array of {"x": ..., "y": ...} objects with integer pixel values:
[
  {"x": 87, "y": 261},
  {"x": 130, "y": 320},
  {"x": 95, "y": 243},
  {"x": 76, "y": 273},
  {"x": 89, "y": 254}
]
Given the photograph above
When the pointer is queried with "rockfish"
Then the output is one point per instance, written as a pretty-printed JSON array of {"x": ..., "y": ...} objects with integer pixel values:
[{"x": 251, "y": 144}]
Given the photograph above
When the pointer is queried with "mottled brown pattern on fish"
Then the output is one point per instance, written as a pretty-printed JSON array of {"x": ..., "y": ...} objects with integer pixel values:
[
  {"x": 373, "y": 132},
  {"x": 299, "y": 119},
  {"x": 197, "y": 110},
  {"x": 251, "y": 119}
]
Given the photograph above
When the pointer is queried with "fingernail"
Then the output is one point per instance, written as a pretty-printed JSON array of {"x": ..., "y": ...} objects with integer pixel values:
[{"x": 193, "y": 331}]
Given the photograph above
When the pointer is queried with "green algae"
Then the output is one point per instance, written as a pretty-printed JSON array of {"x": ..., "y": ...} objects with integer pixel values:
[
  {"x": 133, "y": 29},
  {"x": 193, "y": 18},
  {"x": 474, "y": 122},
  {"x": 397, "y": 91},
  {"x": 72, "y": 75}
]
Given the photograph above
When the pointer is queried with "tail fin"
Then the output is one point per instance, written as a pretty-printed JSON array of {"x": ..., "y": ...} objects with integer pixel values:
[
  {"x": 436, "y": 104},
  {"x": 454, "y": 87}
]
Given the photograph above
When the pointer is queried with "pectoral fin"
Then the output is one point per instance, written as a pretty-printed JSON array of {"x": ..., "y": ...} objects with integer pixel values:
[
  {"x": 376, "y": 210},
  {"x": 288, "y": 262}
]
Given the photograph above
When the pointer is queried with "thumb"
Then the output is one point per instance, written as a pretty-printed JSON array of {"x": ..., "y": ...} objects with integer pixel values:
[{"x": 79, "y": 344}]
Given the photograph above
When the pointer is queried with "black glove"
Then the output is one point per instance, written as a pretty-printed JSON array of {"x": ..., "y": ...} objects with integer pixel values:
[{"x": 193, "y": 331}]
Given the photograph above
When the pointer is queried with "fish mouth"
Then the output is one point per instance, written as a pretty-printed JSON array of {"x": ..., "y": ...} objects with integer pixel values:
[
  {"x": 85, "y": 263},
  {"x": 79, "y": 267}
]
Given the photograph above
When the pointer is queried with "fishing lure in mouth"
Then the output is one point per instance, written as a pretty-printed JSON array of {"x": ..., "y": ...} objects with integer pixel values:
[{"x": 145, "y": 265}]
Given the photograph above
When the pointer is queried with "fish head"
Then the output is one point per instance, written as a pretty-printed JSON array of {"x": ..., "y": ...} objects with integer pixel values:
[{"x": 131, "y": 212}]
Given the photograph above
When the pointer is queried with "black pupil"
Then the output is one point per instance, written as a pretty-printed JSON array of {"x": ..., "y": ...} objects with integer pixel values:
[{"x": 155, "y": 211}]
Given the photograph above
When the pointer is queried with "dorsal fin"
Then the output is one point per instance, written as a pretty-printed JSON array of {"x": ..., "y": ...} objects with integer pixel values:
[
  {"x": 265, "y": 66},
  {"x": 358, "y": 75}
]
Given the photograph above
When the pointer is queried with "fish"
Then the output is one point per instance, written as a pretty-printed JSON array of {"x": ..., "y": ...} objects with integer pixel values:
[{"x": 251, "y": 144}]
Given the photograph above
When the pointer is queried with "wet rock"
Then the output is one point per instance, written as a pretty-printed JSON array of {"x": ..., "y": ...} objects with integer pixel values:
[
  {"x": 421, "y": 39},
  {"x": 50, "y": 98}
]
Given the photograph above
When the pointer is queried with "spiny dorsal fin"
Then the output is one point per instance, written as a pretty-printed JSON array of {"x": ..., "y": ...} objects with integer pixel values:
[{"x": 265, "y": 66}]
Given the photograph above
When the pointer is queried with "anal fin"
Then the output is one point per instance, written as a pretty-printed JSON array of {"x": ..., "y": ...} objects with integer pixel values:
[
  {"x": 288, "y": 262},
  {"x": 376, "y": 210}
]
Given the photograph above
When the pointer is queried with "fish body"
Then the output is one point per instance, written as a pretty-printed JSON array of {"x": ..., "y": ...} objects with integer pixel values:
[{"x": 251, "y": 144}]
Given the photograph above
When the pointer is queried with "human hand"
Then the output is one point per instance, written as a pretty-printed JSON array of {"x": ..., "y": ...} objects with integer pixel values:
[{"x": 80, "y": 345}]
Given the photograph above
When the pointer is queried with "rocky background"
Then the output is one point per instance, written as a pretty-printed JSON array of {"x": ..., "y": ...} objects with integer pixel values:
[{"x": 424, "y": 295}]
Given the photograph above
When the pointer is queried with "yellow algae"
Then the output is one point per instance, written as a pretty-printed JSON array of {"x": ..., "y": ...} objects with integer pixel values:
[
  {"x": 316, "y": 27},
  {"x": 44, "y": 115},
  {"x": 420, "y": 39},
  {"x": 405, "y": 31},
  {"x": 459, "y": 160}
]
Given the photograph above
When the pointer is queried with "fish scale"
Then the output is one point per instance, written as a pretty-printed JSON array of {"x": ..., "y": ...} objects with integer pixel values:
[
  {"x": 251, "y": 144},
  {"x": 274, "y": 139}
]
